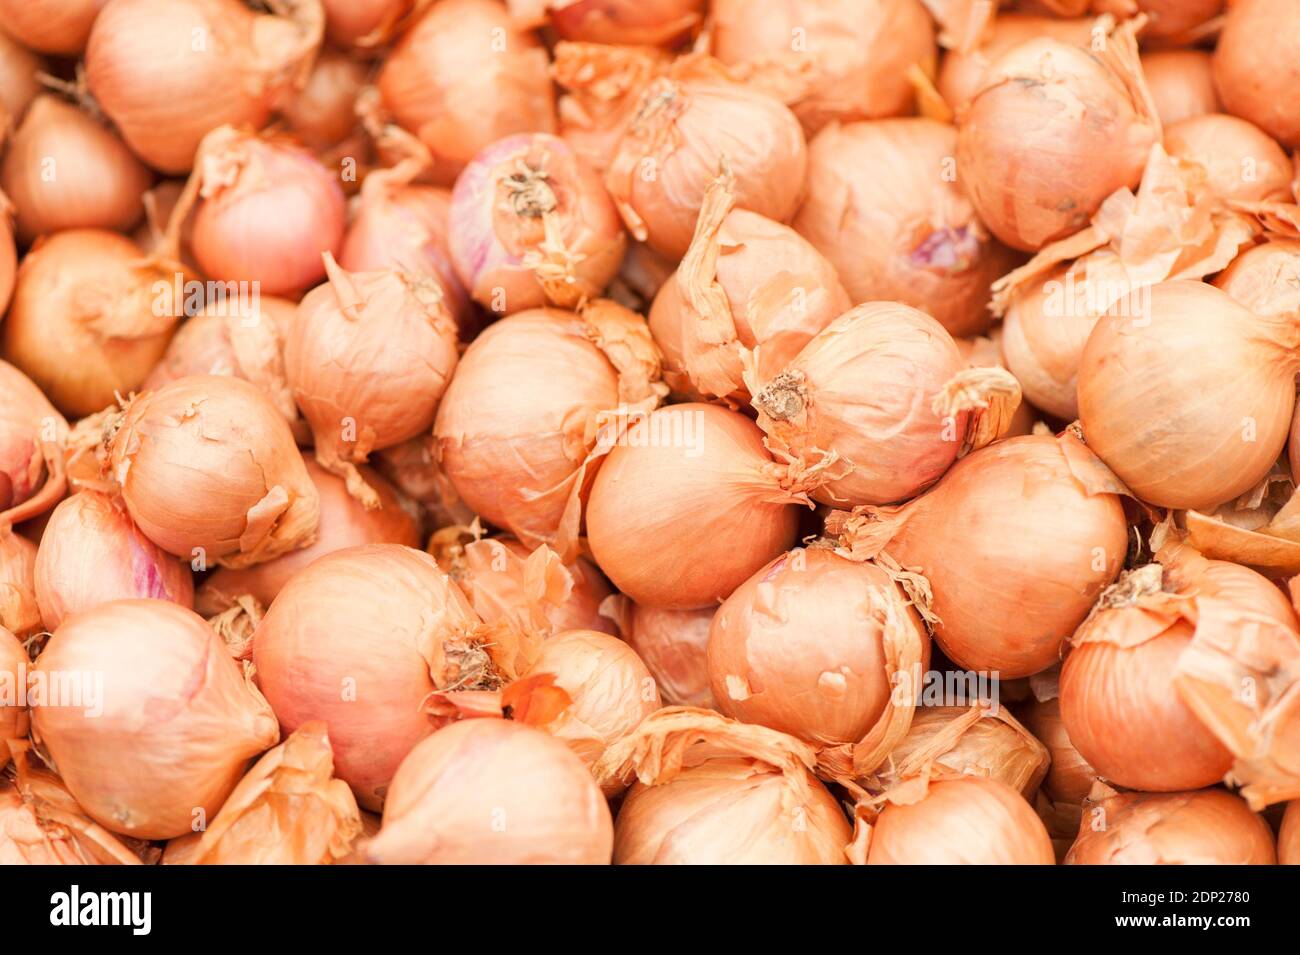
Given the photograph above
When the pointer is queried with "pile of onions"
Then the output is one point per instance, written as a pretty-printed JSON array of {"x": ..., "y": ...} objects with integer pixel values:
[
  {"x": 1240, "y": 161},
  {"x": 87, "y": 322},
  {"x": 846, "y": 60},
  {"x": 1181, "y": 83},
  {"x": 464, "y": 76},
  {"x": 14, "y": 664},
  {"x": 18, "y": 82},
  {"x": 359, "y": 639},
  {"x": 747, "y": 284},
  {"x": 672, "y": 644},
  {"x": 1288, "y": 838},
  {"x": 32, "y": 436},
  {"x": 63, "y": 170},
  {"x": 1209, "y": 414},
  {"x": 632, "y": 22},
  {"x": 697, "y": 480},
  {"x": 1017, "y": 541},
  {"x": 91, "y": 553},
  {"x": 683, "y": 133},
  {"x": 344, "y": 522},
  {"x": 1257, "y": 64},
  {"x": 954, "y": 819},
  {"x": 60, "y": 27},
  {"x": 813, "y": 645},
  {"x": 364, "y": 23},
  {"x": 490, "y": 791},
  {"x": 323, "y": 113},
  {"x": 534, "y": 405},
  {"x": 209, "y": 471},
  {"x": 287, "y": 810},
  {"x": 264, "y": 211},
  {"x": 711, "y": 791},
  {"x": 531, "y": 224},
  {"x": 1266, "y": 279},
  {"x": 885, "y": 206},
  {"x": 245, "y": 65},
  {"x": 368, "y": 356},
  {"x": 1027, "y": 144},
  {"x": 171, "y": 728},
  {"x": 19, "y": 611},
  {"x": 1206, "y": 827}
]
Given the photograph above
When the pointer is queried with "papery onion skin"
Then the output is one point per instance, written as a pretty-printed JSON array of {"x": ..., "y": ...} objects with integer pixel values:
[
  {"x": 179, "y": 721},
  {"x": 41, "y": 824},
  {"x": 344, "y": 522},
  {"x": 323, "y": 112},
  {"x": 856, "y": 56},
  {"x": 19, "y": 612},
  {"x": 92, "y": 553},
  {"x": 519, "y": 797},
  {"x": 962, "y": 74},
  {"x": 1194, "y": 429},
  {"x": 710, "y": 500},
  {"x": 1265, "y": 278},
  {"x": 51, "y": 26},
  {"x": 363, "y": 23},
  {"x": 1257, "y": 66},
  {"x": 978, "y": 739},
  {"x": 633, "y": 22},
  {"x": 512, "y": 203},
  {"x": 62, "y": 169},
  {"x": 14, "y": 664},
  {"x": 1205, "y": 827},
  {"x": 961, "y": 820},
  {"x": 463, "y": 77},
  {"x": 412, "y": 468},
  {"x": 1043, "y": 336},
  {"x": 359, "y": 639},
  {"x": 18, "y": 82},
  {"x": 1288, "y": 838},
  {"x": 985, "y": 351},
  {"x": 672, "y": 644},
  {"x": 1181, "y": 83},
  {"x": 1069, "y": 778},
  {"x": 1240, "y": 160},
  {"x": 210, "y": 472}
]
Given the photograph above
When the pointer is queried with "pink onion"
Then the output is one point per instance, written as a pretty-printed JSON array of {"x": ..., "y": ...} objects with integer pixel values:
[
  {"x": 1257, "y": 65},
  {"x": 19, "y": 612},
  {"x": 364, "y": 23},
  {"x": 672, "y": 644},
  {"x": 51, "y": 26},
  {"x": 18, "y": 82},
  {"x": 323, "y": 113},
  {"x": 32, "y": 435}
]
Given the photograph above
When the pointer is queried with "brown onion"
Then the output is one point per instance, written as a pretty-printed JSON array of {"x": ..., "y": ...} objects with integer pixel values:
[
  {"x": 641, "y": 22},
  {"x": 51, "y": 26},
  {"x": 228, "y": 65},
  {"x": 172, "y": 725},
  {"x": 368, "y": 357},
  {"x": 1257, "y": 66},
  {"x": 364, "y": 23},
  {"x": 1196, "y": 428},
  {"x": 210, "y": 472},
  {"x": 985, "y": 351},
  {"x": 672, "y": 644},
  {"x": 1181, "y": 83},
  {"x": 8, "y": 252},
  {"x": 18, "y": 82},
  {"x": 697, "y": 480},
  {"x": 343, "y": 523},
  {"x": 91, "y": 553},
  {"x": 847, "y": 60},
  {"x": 1017, "y": 541},
  {"x": 14, "y": 718},
  {"x": 323, "y": 113},
  {"x": 19, "y": 612},
  {"x": 1288, "y": 839},
  {"x": 87, "y": 322},
  {"x": 1206, "y": 827},
  {"x": 533, "y": 407},
  {"x": 711, "y": 791},
  {"x": 682, "y": 134},
  {"x": 1266, "y": 279},
  {"x": 1069, "y": 778},
  {"x": 462, "y": 77},
  {"x": 413, "y": 469},
  {"x": 1239, "y": 161},
  {"x": 32, "y": 436}
]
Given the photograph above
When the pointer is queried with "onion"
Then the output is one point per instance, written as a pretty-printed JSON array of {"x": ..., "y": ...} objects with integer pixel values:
[
  {"x": 985, "y": 351},
  {"x": 640, "y": 22},
  {"x": 747, "y": 285},
  {"x": 1288, "y": 839},
  {"x": 1069, "y": 778},
  {"x": 343, "y": 523},
  {"x": 92, "y": 553},
  {"x": 1017, "y": 541},
  {"x": 364, "y": 23},
  {"x": 1207, "y": 827},
  {"x": 813, "y": 645},
  {"x": 531, "y": 224},
  {"x": 413, "y": 469},
  {"x": 227, "y": 65},
  {"x": 531, "y": 411},
  {"x": 1196, "y": 428},
  {"x": 19, "y": 612},
  {"x": 32, "y": 435},
  {"x": 1266, "y": 280},
  {"x": 63, "y": 170},
  {"x": 8, "y": 253},
  {"x": 958, "y": 820},
  {"x": 323, "y": 113},
  {"x": 672, "y": 644},
  {"x": 1257, "y": 66},
  {"x": 368, "y": 357},
  {"x": 462, "y": 77},
  {"x": 18, "y": 82},
  {"x": 697, "y": 480},
  {"x": 682, "y": 133},
  {"x": 1239, "y": 160},
  {"x": 847, "y": 60},
  {"x": 489, "y": 791},
  {"x": 160, "y": 743},
  {"x": 1181, "y": 83},
  {"x": 711, "y": 791},
  {"x": 1027, "y": 145},
  {"x": 14, "y": 718},
  {"x": 1166, "y": 18},
  {"x": 287, "y": 810},
  {"x": 87, "y": 322},
  {"x": 210, "y": 472},
  {"x": 51, "y": 26}
]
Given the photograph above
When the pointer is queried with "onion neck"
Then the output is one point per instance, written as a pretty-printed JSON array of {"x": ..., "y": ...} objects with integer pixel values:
[
  {"x": 529, "y": 192},
  {"x": 784, "y": 397}
]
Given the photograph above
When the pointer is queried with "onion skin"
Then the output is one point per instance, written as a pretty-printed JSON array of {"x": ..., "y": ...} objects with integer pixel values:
[
  {"x": 14, "y": 720},
  {"x": 92, "y": 553},
  {"x": 717, "y": 510},
  {"x": 1257, "y": 66},
  {"x": 985, "y": 351},
  {"x": 462, "y": 77},
  {"x": 961, "y": 74},
  {"x": 1069, "y": 778},
  {"x": 210, "y": 472},
  {"x": 18, "y": 82},
  {"x": 631, "y": 22},
  {"x": 672, "y": 644},
  {"x": 8, "y": 255},
  {"x": 179, "y": 720},
  {"x": 1229, "y": 149},
  {"x": 323, "y": 112},
  {"x": 19, "y": 612},
  {"x": 1206, "y": 827},
  {"x": 344, "y": 522},
  {"x": 1288, "y": 839},
  {"x": 520, "y": 797},
  {"x": 1181, "y": 83},
  {"x": 1043, "y": 336},
  {"x": 51, "y": 26},
  {"x": 363, "y": 23},
  {"x": 1265, "y": 279},
  {"x": 1192, "y": 431},
  {"x": 32, "y": 437},
  {"x": 41, "y": 824},
  {"x": 961, "y": 820}
]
